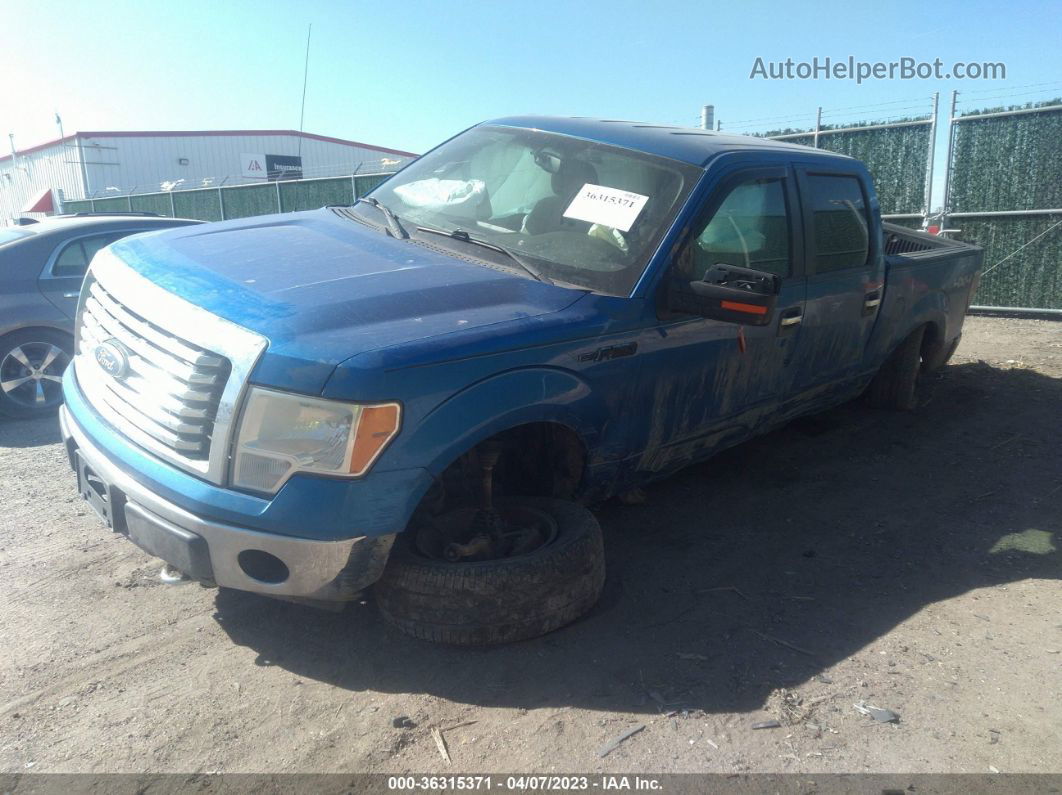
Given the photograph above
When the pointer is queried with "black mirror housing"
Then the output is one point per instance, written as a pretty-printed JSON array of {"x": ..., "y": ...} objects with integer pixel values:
[{"x": 730, "y": 294}]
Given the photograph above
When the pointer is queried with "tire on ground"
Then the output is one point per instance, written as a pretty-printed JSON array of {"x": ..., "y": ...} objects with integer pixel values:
[
  {"x": 497, "y": 601},
  {"x": 896, "y": 384}
]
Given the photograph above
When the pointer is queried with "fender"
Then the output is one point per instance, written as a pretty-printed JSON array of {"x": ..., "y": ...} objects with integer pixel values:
[
  {"x": 498, "y": 403},
  {"x": 909, "y": 304},
  {"x": 929, "y": 308}
]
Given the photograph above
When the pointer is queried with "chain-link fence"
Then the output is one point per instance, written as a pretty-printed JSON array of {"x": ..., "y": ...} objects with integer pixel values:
[
  {"x": 897, "y": 154},
  {"x": 237, "y": 201},
  {"x": 1005, "y": 194}
]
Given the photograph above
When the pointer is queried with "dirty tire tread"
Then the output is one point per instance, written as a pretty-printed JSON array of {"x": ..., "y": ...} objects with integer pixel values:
[
  {"x": 491, "y": 602},
  {"x": 896, "y": 384}
]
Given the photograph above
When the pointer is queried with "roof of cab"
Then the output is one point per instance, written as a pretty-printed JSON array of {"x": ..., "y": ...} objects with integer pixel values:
[{"x": 689, "y": 145}]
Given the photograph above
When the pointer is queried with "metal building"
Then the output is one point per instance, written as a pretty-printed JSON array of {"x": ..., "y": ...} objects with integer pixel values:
[{"x": 101, "y": 164}]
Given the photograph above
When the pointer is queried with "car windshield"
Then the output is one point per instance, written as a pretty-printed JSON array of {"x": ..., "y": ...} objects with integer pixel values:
[
  {"x": 11, "y": 235},
  {"x": 574, "y": 211}
]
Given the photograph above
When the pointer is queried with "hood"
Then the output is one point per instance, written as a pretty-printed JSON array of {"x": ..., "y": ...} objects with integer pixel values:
[{"x": 322, "y": 288}]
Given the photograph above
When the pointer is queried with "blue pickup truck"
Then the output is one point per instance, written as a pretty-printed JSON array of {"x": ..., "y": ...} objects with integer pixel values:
[{"x": 420, "y": 392}]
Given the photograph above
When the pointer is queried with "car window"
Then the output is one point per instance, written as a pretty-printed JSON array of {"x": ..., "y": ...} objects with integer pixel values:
[
  {"x": 579, "y": 212},
  {"x": 839, "y": 222},
  {"x": 749, "y": 230},
  {"x": 74, "y": 258}
]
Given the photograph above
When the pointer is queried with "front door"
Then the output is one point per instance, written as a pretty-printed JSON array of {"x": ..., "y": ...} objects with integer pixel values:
[{"x": 709, "y": 383}]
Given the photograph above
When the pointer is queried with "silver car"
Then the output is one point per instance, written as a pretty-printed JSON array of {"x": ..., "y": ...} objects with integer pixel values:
[{"x": 42, "y": 266}]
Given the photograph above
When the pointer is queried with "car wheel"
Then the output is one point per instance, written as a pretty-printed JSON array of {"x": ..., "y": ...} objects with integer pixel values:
[
  {"x": 896, "y": 384},
  {"x": 442, "y": 585},
  {"x": 31, "y": 372}
]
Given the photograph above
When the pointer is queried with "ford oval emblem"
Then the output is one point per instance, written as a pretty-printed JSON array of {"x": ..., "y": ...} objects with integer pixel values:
[{"x": 112, "y": 358}]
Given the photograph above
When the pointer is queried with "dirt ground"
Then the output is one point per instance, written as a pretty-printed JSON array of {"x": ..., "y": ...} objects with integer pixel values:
[{"x": 908, "y": 561}]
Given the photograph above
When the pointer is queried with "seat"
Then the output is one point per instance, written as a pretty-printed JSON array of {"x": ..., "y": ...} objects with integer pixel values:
[{"x": 548, "y": 214}]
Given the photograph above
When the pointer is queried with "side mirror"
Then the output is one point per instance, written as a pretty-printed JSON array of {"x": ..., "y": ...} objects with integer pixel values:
[{"x": 730, "y": 294}]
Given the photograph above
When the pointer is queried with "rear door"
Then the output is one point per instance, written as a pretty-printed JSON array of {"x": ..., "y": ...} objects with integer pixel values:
[
  {"x": 61, "y": 279},
  {"x": 845, "y": 276}
]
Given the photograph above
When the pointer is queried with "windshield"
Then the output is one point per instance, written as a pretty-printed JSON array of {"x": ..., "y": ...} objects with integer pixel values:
[
  {"x": 11, "y": 235},
  {"x": 581, "y": 213}
]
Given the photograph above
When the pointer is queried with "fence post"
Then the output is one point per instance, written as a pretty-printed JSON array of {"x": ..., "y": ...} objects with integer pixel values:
[
  {"x": 818, "y": 126},
  {"x": 279, "y": 207},
  {"x": 173, "y": 208},
  {"x": 221, "y": 203},
  {"x": 353, "y": 190},
  {"x": 947, "y": 165},
  {"x": 928, "y": 192}
]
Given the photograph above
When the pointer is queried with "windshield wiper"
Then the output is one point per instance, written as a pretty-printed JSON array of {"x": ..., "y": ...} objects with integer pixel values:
[
  {"x": 393, "y": 224},
  {"x": 464, "y": 237}
]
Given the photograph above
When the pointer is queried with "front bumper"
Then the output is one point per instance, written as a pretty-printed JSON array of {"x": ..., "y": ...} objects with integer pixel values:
[{"x": 219, "y": 553}]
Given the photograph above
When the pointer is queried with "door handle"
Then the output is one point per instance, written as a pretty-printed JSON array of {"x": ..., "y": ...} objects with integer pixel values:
[
  {"x": 872, "y": 300},
  {"x": 71, "y": 295},
  {"x": 791, "y": 317}
]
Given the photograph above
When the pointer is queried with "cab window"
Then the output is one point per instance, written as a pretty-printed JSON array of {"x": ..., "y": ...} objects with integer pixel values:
[
  {"x": 749, "y": 230},
  {"x": 838, "y": 222}
]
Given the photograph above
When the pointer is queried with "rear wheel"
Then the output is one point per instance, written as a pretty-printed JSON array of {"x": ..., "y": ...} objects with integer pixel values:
[
  {"x": 454, "y": 580},
  {"x": 31, "y": 372},
  {"x": 896, "y": 384}
]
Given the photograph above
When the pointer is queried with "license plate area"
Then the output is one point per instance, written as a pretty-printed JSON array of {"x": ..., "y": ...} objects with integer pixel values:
[{"x": 103, "y": 498}]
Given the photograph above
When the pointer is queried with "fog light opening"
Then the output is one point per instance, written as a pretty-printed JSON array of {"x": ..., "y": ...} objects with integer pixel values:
[{"x": 262, "y": 566}]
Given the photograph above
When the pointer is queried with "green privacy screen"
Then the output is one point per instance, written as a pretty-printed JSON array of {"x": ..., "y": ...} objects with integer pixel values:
[
  {"x": 1006, "y": 163},
  {"x": 897, "y": 158},
  {"x": 248, "y": 200},
  {"x": 113, "y": 205},
  {"x": 202, "y": 204},
  {"x": 1032, "y": 277},
  {"x": 319, "y": 193},
  {"x": 237, "y": 201},
  {"x": 158, "y": 203}
]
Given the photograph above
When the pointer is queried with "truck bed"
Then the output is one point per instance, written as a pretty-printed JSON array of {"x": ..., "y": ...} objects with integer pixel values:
[{"x": 903, "y": 243}]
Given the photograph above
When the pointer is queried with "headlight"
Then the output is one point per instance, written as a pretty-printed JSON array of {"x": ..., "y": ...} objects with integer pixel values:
[{"x": 282, "y": 433}]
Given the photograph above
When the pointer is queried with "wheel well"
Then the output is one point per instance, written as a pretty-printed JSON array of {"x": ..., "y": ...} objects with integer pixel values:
[
  {"x": 46, "y": 329},
  {"x": 539, "y": 459},
  {"x": 932, "y": 347}
]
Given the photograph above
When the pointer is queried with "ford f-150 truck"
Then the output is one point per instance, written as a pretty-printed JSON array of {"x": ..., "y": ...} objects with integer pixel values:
[{"x": 421, "y": 391}]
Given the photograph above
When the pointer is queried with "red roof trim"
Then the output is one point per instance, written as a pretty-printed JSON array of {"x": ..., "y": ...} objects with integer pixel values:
[
  {"x": 207, "y": 133},
  {"x": 39, "y": 147}
]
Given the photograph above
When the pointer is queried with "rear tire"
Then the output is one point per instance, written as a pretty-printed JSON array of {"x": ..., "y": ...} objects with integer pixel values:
[
  {"x": 497, "y": 601},
  {"x": 896, "y": 384},
  {"x": 32, "y": 362}
]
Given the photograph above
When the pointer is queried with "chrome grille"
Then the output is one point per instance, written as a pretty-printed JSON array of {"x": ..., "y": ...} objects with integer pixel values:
[{"x": 173, "y": 387}]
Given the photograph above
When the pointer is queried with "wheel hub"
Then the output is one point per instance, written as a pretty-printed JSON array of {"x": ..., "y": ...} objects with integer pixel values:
[
  {"x": 31, "y": 375},
  {"x": 471, "y": 534}
]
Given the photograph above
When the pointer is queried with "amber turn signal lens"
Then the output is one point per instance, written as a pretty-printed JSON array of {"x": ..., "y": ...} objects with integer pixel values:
[{"x": 377, "y": 426}]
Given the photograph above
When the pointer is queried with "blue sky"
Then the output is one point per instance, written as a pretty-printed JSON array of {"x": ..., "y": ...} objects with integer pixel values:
[{"x": 408, "y": 75}]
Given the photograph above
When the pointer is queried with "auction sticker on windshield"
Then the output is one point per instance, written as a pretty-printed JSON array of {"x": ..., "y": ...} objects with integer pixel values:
[{"x": 606, "y": 206}]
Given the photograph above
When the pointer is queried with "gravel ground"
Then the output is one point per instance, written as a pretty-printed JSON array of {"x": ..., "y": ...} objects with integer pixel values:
[{"x": 909, "y": 561}]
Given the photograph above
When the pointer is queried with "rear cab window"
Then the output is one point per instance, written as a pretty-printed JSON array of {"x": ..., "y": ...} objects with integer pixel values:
[{"x": 839, "y": 223}]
